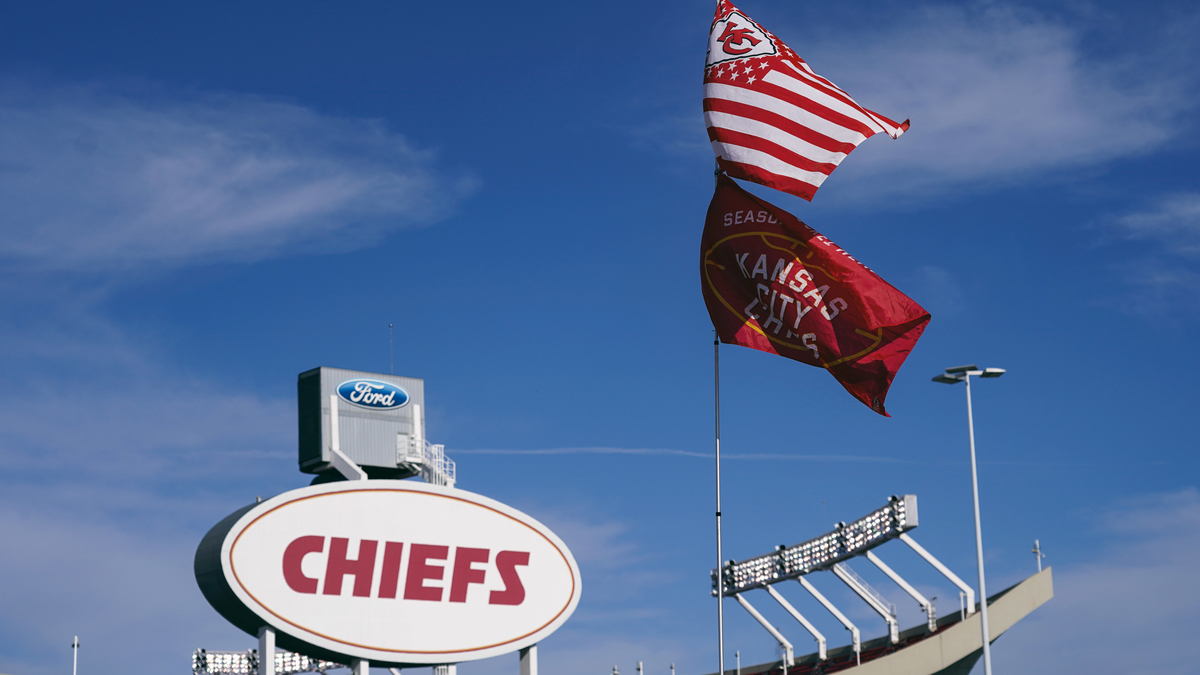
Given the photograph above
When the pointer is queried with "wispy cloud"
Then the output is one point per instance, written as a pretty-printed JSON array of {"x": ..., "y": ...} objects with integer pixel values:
[
  {"x": 998, "y": 94},
  {"x": 938, "y": 288},
  {"x": 85, "y": 397},
  {"x": 1173, "y": 223},
  {"x": 1140, "y": 591},
  {"x": 1159, "y": 274},
  {"x": 98, "y": 180}
]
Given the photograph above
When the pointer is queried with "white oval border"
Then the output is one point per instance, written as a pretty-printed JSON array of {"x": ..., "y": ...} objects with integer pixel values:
[{"x": 282, "y": 624}]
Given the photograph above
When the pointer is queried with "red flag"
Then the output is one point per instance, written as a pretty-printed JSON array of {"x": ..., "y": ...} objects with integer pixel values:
[
  {"x": 770, "y": 118},
  {"x": 774, "y": 284}
]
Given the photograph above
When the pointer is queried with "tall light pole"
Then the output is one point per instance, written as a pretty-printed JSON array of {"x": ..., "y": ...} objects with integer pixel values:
[{"x": 954, "y": 376}]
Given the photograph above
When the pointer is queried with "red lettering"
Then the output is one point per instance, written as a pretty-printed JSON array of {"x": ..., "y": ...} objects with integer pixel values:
[
  {"x": 293, "y": 560},
  {"x": 470, "y": 567},
  {"x": 514, "y": 592},
  {"x": 418, "y": 572},
  {"x": 464, "y": 574},
  {"x": 390, "y": 574},
  {"x": 338, "y": 566}
]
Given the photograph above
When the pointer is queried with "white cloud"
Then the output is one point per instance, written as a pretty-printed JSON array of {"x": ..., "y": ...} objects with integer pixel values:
[
  {"x": 125, "y": 589},
  {"x": 995, "y": 95},
  {"x": 150, "y": 430},
  {"x": 1174, "y": 223},
  {"x": 1133, "y": 609},
  {"x": 84, "y": 396},
  {"x": 1162, "y": 282},
  {"x": 97, "y": 180}
]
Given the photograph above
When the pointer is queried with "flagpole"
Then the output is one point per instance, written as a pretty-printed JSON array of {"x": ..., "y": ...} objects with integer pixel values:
[
  {"x": 720, "y": 568},
  {"x": 717, "y": 417}
]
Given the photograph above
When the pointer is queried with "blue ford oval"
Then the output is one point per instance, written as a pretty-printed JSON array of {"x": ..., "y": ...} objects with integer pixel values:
[{"x": 372, "y": 394}]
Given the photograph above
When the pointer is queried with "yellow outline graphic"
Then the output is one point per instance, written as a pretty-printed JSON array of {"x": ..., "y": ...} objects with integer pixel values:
[{"x": 876, "y": 336}]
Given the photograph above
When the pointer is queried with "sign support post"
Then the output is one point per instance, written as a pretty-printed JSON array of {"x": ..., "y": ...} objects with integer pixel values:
[
  {"x": 529, "y": 660},
  {"x": 266, "y": 651}
]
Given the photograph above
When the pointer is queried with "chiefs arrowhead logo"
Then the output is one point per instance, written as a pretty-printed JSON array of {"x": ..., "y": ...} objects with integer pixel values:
[{"x": 737, "y": 37}]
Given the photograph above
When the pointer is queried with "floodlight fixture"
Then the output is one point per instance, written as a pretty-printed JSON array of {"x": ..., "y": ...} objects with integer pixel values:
[
  {"x": 821, "y": 553},
  {"x": 205, "y": 662},
  {"x": 948, "y": 379},
  {"x": 992, "y": 372},
  {"x": 962, "y": 369}
]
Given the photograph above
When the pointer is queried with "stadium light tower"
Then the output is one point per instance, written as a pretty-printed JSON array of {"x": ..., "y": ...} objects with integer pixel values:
[{"x": 954, "y": 376}]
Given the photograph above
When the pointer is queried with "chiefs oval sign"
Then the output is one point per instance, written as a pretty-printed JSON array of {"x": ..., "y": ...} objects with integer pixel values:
[{"x": 394, "y": 572}]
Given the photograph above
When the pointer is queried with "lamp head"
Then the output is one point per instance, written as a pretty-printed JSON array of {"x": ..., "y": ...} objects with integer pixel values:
[
  {"x": 992, "y": 372},
  {"x": 962, "y": 369},
  {"x": 948, "y": 379}
]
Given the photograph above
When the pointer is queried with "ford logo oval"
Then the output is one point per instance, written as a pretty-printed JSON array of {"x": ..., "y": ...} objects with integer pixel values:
[{"x": 372, "y": 394}]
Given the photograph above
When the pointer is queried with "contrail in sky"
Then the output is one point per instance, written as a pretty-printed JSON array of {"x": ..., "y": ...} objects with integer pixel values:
[
  {"x": 763, "y": 456},
  {"x": 687, "y": 453}
]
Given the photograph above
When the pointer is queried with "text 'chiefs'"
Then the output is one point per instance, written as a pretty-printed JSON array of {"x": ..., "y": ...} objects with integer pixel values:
[{"x": 470, "y": 566}]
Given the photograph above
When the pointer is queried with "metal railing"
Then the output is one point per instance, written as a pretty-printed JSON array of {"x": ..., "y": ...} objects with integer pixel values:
[
  {"x": 431, "y": 461},
  {"x": 438, "y": 469}
]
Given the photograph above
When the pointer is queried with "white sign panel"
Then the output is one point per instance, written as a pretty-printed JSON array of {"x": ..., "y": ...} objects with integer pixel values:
[{"x": 400, "y": 572}]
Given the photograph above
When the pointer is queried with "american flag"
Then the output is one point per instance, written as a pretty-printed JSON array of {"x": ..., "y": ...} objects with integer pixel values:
[{"x": 770, "y": 118}]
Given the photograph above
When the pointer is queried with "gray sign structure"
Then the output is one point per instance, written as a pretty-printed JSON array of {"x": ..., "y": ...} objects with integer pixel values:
[{"x": 379, "y": 418}]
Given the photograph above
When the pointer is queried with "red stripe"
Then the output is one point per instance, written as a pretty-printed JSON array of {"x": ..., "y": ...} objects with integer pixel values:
[
  {"x": 816, "y": 108},
  {"x": 772, "y": 180},
  {"x": 779, "y": 122},
  {"x": 821, "y": 84},
  {"x": 798, "y": 100},
  {"x": 902, "y": 127},
  {"x": 837, "y": 92},
  {"x": 775, "y": 150},
  {"x": 834, "y": 91}
]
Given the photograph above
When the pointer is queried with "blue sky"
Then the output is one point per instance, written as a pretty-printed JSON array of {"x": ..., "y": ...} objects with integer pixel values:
[{"x": 198, "y": 202}]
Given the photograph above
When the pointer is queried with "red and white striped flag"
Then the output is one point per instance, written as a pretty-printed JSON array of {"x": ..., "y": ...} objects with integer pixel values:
[{"x": 770, "y": 118}]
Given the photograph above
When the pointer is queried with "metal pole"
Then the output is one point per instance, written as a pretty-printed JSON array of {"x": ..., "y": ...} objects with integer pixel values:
[
  {"x": 528, "y": 660},
  {"x": 266, "y": 650},
  {"x": 720, "y": 563},
  {"x": 987, "y": 651},
  {"x": 75, "y": 658},
  {"x": 391, "y": 353}
]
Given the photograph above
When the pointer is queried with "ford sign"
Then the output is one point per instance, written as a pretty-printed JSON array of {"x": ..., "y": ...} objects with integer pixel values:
[
  {"x": 372, "y": 394},
  {"x": 398, "y": 573}
]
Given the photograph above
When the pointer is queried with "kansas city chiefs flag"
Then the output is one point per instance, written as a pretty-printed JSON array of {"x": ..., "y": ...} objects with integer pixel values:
[
  {"x": 770, "y": 118},
  {"x": 774, "y": 284}
]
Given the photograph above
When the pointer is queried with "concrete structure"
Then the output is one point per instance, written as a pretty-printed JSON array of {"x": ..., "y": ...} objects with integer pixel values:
[{"x": 951, "y": 650}]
